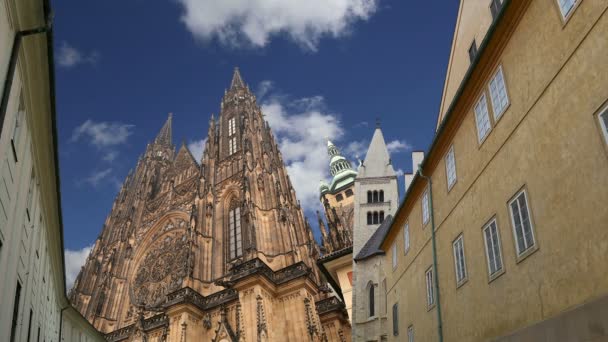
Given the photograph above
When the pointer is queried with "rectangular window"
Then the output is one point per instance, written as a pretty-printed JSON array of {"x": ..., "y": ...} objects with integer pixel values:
[
  {"x": 231, "y": 145},
  {"x": 566, "y": 6},
  {"x": 495, "y": 7},
  {"x": 482, "y": 119},
  {"x": 450, "y": 167},
  {"x": 410, "y": 333},
  {"x": 472, "y": 51},
  {"x": 394, "y": 251},
  {"x": 30, "y": 195},
  {"x": 425, "y": 207},
  {"x": 430, "y": 290},
  {"x": 492, "y": 242},
  {"x": 17, "y": 128},
  {"x": 406, "y": 237},
  {"x": 231, "y": 127},
  {"x": 522, "y": 225},
  {"x": 16, "y": 312},
  {"x": 603, "y": 117},
  {"x": 395, "y": 319},
  {"x": 498, "y": 94},
  {"x": 459, "y": 261},
  {"x": 235, "y": 233}
]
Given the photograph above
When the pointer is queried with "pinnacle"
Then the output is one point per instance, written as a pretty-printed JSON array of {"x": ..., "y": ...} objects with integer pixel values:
[
  {"x": 237, "y": 80},
  {"x": 164, "y": 136}
]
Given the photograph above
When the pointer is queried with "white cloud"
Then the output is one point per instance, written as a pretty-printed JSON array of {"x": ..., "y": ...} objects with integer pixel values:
[
  {"x": 97, "y": 176},
  {"x": 103, "y": 134},
  {"x": 197, "y": 147},
  {"x": 301, "y": 127},
  {"x": 396, "y": 146},
  {"x": 110, "y": 156},
  {"x": 68, "y": 56},
  {"x": 263, "y": 88},
  {"x": 241, "y": 23},
  {"x": 357, "y": 148},
  {"x": 74, "y": 260}
]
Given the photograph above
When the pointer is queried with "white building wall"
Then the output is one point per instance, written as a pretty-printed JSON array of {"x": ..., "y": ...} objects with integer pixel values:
[{"x": 30, "y": 229}]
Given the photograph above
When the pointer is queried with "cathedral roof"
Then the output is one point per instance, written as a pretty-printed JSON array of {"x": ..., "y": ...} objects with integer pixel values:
[
  {"x": 184, "y": 156},
  {"x": 377, "y": 161},
  {"x": 164, "y": 136}
]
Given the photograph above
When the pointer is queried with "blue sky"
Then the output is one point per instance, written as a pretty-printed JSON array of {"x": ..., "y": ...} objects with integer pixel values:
[{"x": 331, "y": 67}]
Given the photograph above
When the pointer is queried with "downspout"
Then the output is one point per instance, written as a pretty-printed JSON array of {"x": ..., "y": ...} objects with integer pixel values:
[
  {"x": 436, "y": 285},
  {"x": 61, "y": 322},
  {"x": 12, "y": 64}
]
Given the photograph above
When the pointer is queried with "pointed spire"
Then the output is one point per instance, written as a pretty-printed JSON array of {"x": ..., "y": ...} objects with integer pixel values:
[
  {"x": 377, "y": 161},
  {"x": 237, "y": 81},
  {"x": 164, "y": 136}
]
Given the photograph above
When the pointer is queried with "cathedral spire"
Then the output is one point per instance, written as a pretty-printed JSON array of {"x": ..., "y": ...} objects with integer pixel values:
[
  {"x": 164, "y": 136},
  {"x": 377, "y": 161},
  {"x": 237, "y": 81}
]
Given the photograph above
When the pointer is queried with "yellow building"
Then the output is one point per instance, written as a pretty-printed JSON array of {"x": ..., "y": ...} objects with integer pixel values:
[
  {"x": 516, "y": 194},
  {"x": 33, "y": 304}
]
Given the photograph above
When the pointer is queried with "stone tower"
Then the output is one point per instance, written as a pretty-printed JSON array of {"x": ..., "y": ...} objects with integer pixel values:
[
  {"x": 376, "y": 199},
  {"x": 337, "y": 199},
  {"x": 219, "y": 251}
]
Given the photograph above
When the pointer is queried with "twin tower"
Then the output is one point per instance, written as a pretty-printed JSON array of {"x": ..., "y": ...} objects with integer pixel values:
[{"x": 211, "y": 250}]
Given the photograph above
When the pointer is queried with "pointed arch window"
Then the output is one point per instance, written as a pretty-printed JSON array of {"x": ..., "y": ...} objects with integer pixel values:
[{"x": 234, "y": 230}]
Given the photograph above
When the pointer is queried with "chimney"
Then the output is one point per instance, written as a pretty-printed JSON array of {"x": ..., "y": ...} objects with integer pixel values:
[{"x": 417, "y": 158}]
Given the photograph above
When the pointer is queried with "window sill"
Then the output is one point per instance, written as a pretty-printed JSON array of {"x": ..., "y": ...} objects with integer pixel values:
[
  {"x": 496, "y": 275},
  {"x": 431, "y": 307},
  {"x": 525, "y": 254},
  {"x": 462, "y": 282}
]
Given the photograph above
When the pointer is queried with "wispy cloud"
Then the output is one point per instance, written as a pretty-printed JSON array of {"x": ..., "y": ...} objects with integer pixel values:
[
  {"x": 397, "y": 146},
  {"x": 68, "y": 56},
  {"x": 357, "y": 149},
  {"x": 110, "y": 156},
  {"x": 301, "y": 127},
  {"x": 196, "y": 147},
  {"x": 95, "y": 178},
  {"x": 74, "y": 260},
  {"x": 252, "y": 23},
  {"x": 103, "y": 134}
]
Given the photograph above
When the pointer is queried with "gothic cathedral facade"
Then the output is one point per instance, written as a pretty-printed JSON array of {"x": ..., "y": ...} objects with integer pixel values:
[{"x": 219, "y": 251}]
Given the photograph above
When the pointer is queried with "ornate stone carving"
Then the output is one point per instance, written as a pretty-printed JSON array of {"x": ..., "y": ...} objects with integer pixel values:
[{"x": 162, "y": 270}]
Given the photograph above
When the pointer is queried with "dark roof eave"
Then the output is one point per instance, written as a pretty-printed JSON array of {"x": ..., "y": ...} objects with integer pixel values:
[{"x": 450, "y": 110}]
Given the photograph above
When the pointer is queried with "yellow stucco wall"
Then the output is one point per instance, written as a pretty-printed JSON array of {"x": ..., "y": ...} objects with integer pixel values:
[{"x": 547, "y": 142}]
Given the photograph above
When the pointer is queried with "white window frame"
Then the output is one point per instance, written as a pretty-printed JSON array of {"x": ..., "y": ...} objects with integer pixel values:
[
  {"x": 450, "y": 168},
  {"x": 603, "y": 118},
  {"x": 460, "y": 265},
  {"x": 495, "y": 248},
  {"x": 406, "y": 237},
  {"x": 481, "y": 112},
  {"x": 425, "y": 207},
  {"x": 497, "y": 87},
  {"x": 231, "y": 145},
  {"x": 562, "y": 4},
  {"x": 394, "y": 254},
  {"x": 410, "y": 333},
  {"x": 528, "y": 245},
  {"x": 430, "y": 289}
]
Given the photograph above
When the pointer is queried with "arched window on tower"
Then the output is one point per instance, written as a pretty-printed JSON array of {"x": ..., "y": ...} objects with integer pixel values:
[
  {"x": 372, "y": 300},
  {"x": 348, "y": 192},
  {"x": 381, "y": 195},
  {"x": 381, "y": 216},
  {"x": 375, "y": 196},
  {"x": 369, "y": 218},
  {"x": 234, "y": 230},
  {"x": 369, "y": 197},
  {"x": 376, "y": 217}
]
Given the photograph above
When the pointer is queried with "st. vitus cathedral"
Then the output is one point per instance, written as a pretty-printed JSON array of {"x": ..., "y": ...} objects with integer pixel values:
[{"x": 219, "y": 251}]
